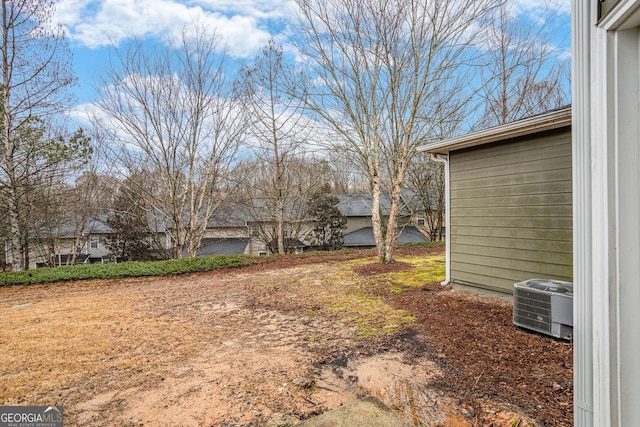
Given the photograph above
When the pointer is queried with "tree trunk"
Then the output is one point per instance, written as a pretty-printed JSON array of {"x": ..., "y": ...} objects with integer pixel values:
[
  {"x": 280, "y": 232},
  {"x": 17, "y": 254},
  {"x": 376, "y": 219},
  {"x": 392, "y": 226}
]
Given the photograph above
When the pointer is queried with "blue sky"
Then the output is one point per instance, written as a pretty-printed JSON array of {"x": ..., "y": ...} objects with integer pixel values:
[
  {"x": 246, "y": 25},
  {"x": 95, "y": 25}
]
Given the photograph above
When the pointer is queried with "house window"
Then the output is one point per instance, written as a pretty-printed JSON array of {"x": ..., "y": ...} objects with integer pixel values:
[
  {"x": 94, "y": 242},
  {"x": 420, "y": 222},
  {"x": 255, "y": 230}
]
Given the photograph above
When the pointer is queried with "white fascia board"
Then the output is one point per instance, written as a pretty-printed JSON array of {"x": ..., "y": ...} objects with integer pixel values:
[
  {"x": 543, "y": 122},
  {"x": 624, "y": 15}
]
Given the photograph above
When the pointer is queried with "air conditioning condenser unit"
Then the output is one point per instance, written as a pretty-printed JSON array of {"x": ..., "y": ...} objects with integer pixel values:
[{"x": 544, "y": 306}]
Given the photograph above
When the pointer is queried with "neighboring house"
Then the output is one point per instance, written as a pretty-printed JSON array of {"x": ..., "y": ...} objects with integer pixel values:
[
  {"x": 260, "y": 217},
  {"x": 359, "y": 231},
  {"x": 249, "y": 229},
  {"x": 509, "y": 195},
  {"x": 96, "y": 235},
  {"x": 291, "y": 246},
  {"x": 238, "y": 228},
  {"x": 363, "y": 238},
  {"x": 227, "y": 232},
  {"x": 89, "y": 247},
  {"x": 235, "y": 228}
]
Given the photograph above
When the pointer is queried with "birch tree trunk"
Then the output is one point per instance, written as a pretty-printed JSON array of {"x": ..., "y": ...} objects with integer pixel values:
[{"x": 387, "y": 75}]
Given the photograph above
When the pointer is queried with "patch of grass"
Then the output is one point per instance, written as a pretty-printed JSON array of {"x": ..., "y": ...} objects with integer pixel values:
[
  {"x": 435, "y": 243},
  {"x": 372, "y": 316},
  {"x": 426, "y": 270},
  {"x": 125, "y": 269},
  {"x": 352, "y": 297},
  {"x": 361, "y": 260}
]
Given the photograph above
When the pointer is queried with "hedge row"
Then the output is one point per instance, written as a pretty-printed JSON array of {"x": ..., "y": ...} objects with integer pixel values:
[{"x": 125, "y": 269}]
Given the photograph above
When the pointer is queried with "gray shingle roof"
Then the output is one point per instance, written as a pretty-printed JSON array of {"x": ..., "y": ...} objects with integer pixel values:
[
  {"x": 411, "y": 235},
  {"x": 364, "y": 237},
  {"x": 359, "y": 204},
  {"x": 95, "y": 224},
  {"x": 230, "y": 214},
  {"x": 210, "y": 247}
]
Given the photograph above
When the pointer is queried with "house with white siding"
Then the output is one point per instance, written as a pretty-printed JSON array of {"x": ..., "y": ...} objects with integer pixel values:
[{"x": 605, "y": 56}]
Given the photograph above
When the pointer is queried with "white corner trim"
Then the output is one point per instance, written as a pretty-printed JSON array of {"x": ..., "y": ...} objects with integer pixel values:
[
  {"x": 606, "y": 75},
  {"x": 583, "y": 14},
  {"x": 444, "y": 159},
  {"x": 543, "y": 122}
]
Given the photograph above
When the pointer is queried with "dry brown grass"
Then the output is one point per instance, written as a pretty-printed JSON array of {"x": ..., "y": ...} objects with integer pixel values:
[{"x": 77, "y": 338}]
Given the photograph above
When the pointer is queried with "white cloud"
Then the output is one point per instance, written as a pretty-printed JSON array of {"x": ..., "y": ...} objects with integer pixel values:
[
  {"x": 80, "y": 115},
  {"x": 259, "y": 9},
  {"x": 243, "y": 24},
  {"x": 561, "y": 7}
]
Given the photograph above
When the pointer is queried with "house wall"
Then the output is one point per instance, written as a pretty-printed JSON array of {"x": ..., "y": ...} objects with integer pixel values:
[
  {"x": 226, "y": 233},
  {"x": 511, "y": 211},
  {"x": 355, "y": 223},
  {"x": 302, "y": 232},
  {"x": 606, "y": 107},
  {"x": 39, "y": 255},
  {"x": 101, "y": 251}
]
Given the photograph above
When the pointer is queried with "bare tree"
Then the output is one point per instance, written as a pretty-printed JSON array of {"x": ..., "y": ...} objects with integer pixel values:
[
  {"x": 35, "y": 71},
  {"x": 272, "y": 92},
  {"x": 131, "y": 238},
  {"x": 169, "y": 110},
  {"x": 345, "y": 175},
  {"x": 63, "y": 208},
  {"x": 522, "y": 75},
  {"x": 270, "y": 217},
  {"x": 388, "y": 74},
  {"x": 426, "y": 178}
]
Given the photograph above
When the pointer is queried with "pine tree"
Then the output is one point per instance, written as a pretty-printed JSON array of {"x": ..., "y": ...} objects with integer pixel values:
[
  {"x": 130, "y": 238},
  {"x": 329, "y": 222}
]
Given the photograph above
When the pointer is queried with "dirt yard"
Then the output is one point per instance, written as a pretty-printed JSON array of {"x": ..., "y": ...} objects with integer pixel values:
[{"x": 278, "y": 343}]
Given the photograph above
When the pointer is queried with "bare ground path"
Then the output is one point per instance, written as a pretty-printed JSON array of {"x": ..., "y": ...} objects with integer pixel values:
[{"x": 274, "y": 345}]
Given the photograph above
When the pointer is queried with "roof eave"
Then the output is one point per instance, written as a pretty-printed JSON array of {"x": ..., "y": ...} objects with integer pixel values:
[{"x": 544, "y": 122}]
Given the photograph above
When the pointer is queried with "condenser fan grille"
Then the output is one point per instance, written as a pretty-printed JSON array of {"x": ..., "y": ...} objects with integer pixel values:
[{"x": 532, "y": 309}]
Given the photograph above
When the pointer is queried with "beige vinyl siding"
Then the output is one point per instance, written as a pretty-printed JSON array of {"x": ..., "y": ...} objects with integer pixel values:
[
  {"x": 511, "y": 212},
  {"x": 355, "y": 223}
]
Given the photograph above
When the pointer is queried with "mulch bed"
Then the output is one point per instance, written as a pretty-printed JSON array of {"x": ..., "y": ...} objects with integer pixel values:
[{"x": 484, "y": 355}]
